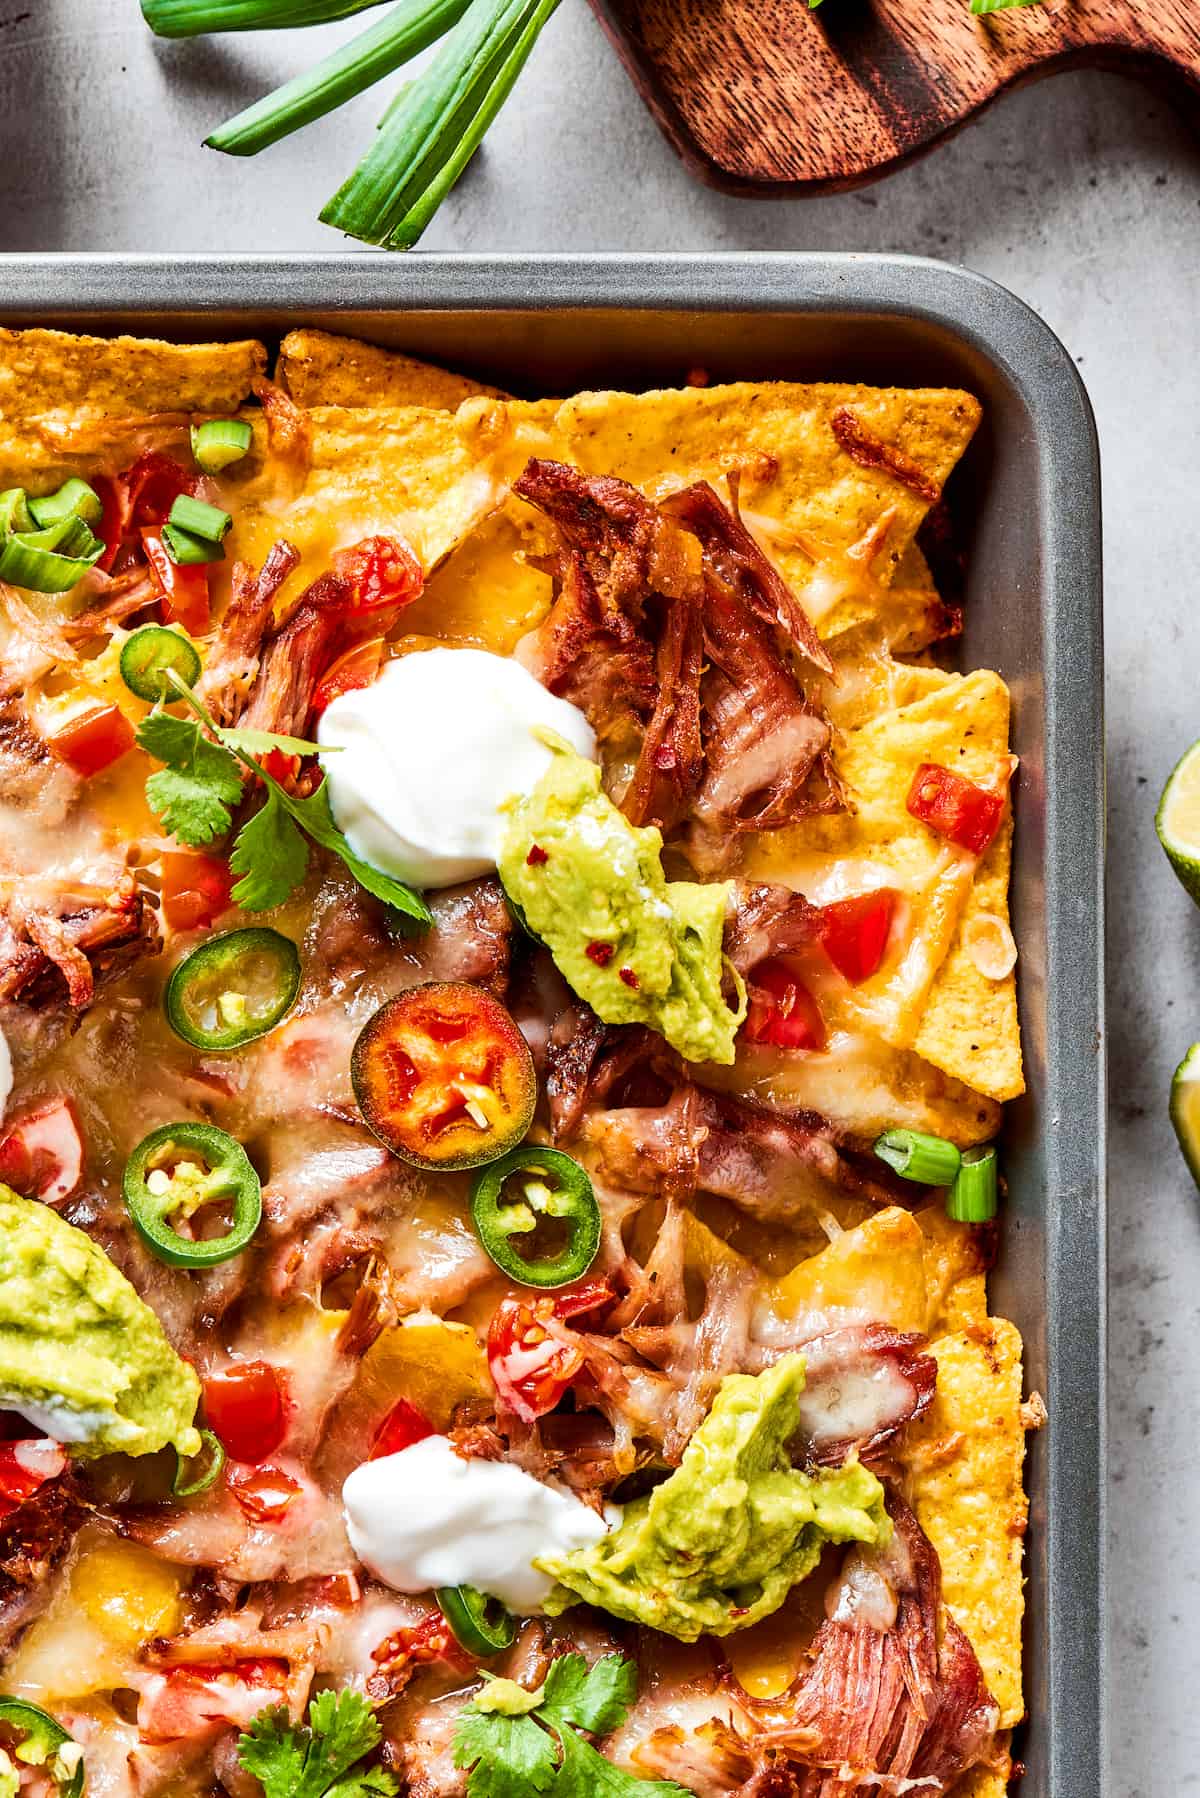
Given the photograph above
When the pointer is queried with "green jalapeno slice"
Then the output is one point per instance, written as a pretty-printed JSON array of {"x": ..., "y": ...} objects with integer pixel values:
[
  {"x": 151, "y": 654},
  {"x": 42, "y": 1742},
  {"x": 528, "y": 1186},
  {"x": 197, "y": 1473},
  {"x": 233, "y": 988},
  {"x": 480, "y": 1624},
  {"x": 175, "y": 1171}
]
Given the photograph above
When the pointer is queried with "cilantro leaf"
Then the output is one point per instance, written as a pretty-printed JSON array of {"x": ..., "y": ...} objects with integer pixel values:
[
  {"x": 317, "y": 1760},
  {"x": 195, "y": 792},
  {"x": 509, "y": 1757},
  {"x": 262, "y": 742},
  {"x": 271, "y": 855},
  {"x": 586, "y": 1774},
  {"x": 595, "y": 1699},
  {"x": 316, "y": 816}
]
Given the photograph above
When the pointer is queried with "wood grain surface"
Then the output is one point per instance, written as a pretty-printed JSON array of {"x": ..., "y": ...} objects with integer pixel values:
[{"x": 764, "y": 95}]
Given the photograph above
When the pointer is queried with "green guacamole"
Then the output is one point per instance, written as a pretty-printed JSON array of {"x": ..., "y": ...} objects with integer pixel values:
[
  {"x": 79, "y": 1348},
  {"x": 723, "y": 1541},
  {"x": 639, "y": 948}
]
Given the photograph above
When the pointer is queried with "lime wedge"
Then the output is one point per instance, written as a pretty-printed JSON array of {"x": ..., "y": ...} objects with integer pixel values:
[
  {"x": 1177, "y": 820},
  {"x": 1185, "y": 1108}
]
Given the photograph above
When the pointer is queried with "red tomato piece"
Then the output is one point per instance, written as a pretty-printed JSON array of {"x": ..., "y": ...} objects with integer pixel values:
[
  {"x": 352, "y": 671},
  {"x": 195, "y": 889},
  {"x": 244, "y": 1405},
  {"x": 41, "y": 1154},
  {"x": 430, "y": 1640},
  {"x": 25, "y": 1467},
  {"x": 955, "y": 807},
  {"x": 379, "y": 571},
  {"x": 142, "y": 496},
  {"x": 783, "y": 1013},
  {"x": 94, "y": 740},
  {"x": 194, "y": 1699},
  {"x": 855, "y": 932},
  {"x": 589, "y": 1295},
  {"x": 532, "y": 1357},
  {"x": 264, "y": 1493},
  {"x": 404, "y": 1424},
  {"x": 183, "y": 589}
]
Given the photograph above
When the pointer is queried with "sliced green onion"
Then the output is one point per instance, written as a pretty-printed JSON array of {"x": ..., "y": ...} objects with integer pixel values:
[
  {"x": 198, "y": 518},
  {"x": 423, "y": 146},
  {"x": 480, "y": 1624},
  {"x": 387, "y": 45},
  {"x": 74, "y": 499},
  {"x": 973, "y": 1197},
  {"x": 49, "y": 561},
  {"x": 184, "y": 546},
  {"x": 983, "y": 6},
  {"x": 930, "y": 1159},
  {"x": 193, "y": 18},
  {"x": 219, "y": 441},
  {"x": 149, "y": 657},
  {"x": 14, "y": 511},
  {"x": 198, "y": 1473}
]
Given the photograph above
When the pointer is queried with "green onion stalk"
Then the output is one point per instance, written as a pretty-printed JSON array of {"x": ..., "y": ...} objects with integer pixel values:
[{"x": 193, "y": 18}]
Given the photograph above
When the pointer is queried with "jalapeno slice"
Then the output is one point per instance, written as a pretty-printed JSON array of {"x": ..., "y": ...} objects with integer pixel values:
[
  {"x": 529, "y": 1187},
  {"x": 233, "y": 988},
  {"x": 199, "y": 1472},
  {"x": 151, "y": 654},
  {"x": 443, "y": 1076},
  {"x": 480, "y": 1624},
  {"x": 175, "y": 1171},
  {"x": 43, "y": 1742}
]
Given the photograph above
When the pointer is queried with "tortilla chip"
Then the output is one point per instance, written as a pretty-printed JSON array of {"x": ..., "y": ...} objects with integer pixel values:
[
  {"x": 319, "y": 369},
  {"x": 962, "y": 723},
  {"x": 980, "y": 1783},
  {"x": 955, "y": 1287},
  {"x": 970, "y": 1026},
  {"x": 877, "y": 1269},
  {"x": 963, "y": 1461},
  {"x": 916, "y": 614}
]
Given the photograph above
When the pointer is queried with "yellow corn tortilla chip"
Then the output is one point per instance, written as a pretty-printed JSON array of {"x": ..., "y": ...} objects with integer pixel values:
[
  {"x": 963, "y": 1462},
  {"x": 961, "y": 723},
  {"x": 980, "y": 1782},
  {"x": 875, "y": 1270},
  {"x": 914, "y": 610},
  {"x": 320, "y": 369},
  {"x": 955, "y": 1288}
]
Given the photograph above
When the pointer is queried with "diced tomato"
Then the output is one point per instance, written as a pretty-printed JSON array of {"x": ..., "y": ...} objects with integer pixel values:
[
  {"x": 264, "y": 1493},
  {"x": 352, "y": 671},
  {"x": 183, "y": 588},
  {"x": 193, "y": 1699},
  {"x": 195, "y": 889},
  {"x": 855, "y": 932},
  {"x": 380, "y": 571},
  {"x": 783, "y": 1013},
  {"x": 280, "y": 765},
  {"x": 403, "y": 1425},
  {"x": 142, "y": 496},
  {"x": 25, "y": 1466},
  {"x": 245, "y": 1406},
  {"x": 430, "y": 1640},
  {"x": 532, "y": 1357},
  {"x": 41, "y": 1154},
  {"x": 588, "y": 1295},
  {"x": 955, "y": 807},
  {"x": 94, "y": 740}
]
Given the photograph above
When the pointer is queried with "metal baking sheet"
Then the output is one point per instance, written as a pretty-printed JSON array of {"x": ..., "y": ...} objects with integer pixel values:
[{"x": 1028, "y": 496}]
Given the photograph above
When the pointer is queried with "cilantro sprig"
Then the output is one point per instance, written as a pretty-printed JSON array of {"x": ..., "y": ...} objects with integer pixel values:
[
  {"x": 519, "y": 1744},
  {"x": 320, "y": 1759},
  {"x": 195, "y": 793}
]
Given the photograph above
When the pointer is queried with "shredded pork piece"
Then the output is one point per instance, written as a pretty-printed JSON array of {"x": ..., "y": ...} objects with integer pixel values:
[
  {"x": 870, "y": 451},
  {"x": 293, "y": 660},
  {"x": 60, "y": 945},
  {"x": 34, "y": 1541},
  {"x": 288, "y": 431},
  {"x": 233, "y": 662},
  {"x": 768, "y": 920}
]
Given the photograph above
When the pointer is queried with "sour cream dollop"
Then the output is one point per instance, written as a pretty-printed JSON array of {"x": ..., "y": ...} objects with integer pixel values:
[
  {"x": 428, "y": 754},
  {"x": 426, "y": 1518}
]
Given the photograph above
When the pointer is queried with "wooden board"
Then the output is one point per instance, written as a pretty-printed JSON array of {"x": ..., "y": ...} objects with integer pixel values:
[{"x": 765, "y": 95}]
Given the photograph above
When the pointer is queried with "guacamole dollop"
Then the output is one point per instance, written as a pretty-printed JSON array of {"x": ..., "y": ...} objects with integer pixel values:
[
  {"x": 721, "y": 1543},
  {"x": 80, "y": 1352},
  {"x": 641, "y": 949}
]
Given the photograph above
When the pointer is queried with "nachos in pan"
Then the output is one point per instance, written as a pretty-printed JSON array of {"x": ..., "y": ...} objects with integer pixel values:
[{"x": 506, "y": 967}]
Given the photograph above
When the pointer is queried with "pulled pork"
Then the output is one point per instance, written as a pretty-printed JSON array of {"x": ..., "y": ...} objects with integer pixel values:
[
  {"x": 667, "y": 630},
  {"x": 233, "y": 663},
  {"x": 58, "y": 945}
]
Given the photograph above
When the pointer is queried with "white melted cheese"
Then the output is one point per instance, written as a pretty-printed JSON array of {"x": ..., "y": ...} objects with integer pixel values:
[
  {"x": 6, "y": 1073},
  {"x": 55, "y": 1418},
  {"x": 426, "y": 1518},
  {"x": 429, "y": 753}
]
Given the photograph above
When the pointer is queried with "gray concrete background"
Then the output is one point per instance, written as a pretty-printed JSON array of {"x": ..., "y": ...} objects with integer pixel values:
[{"x": 1083, "y": 195}]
